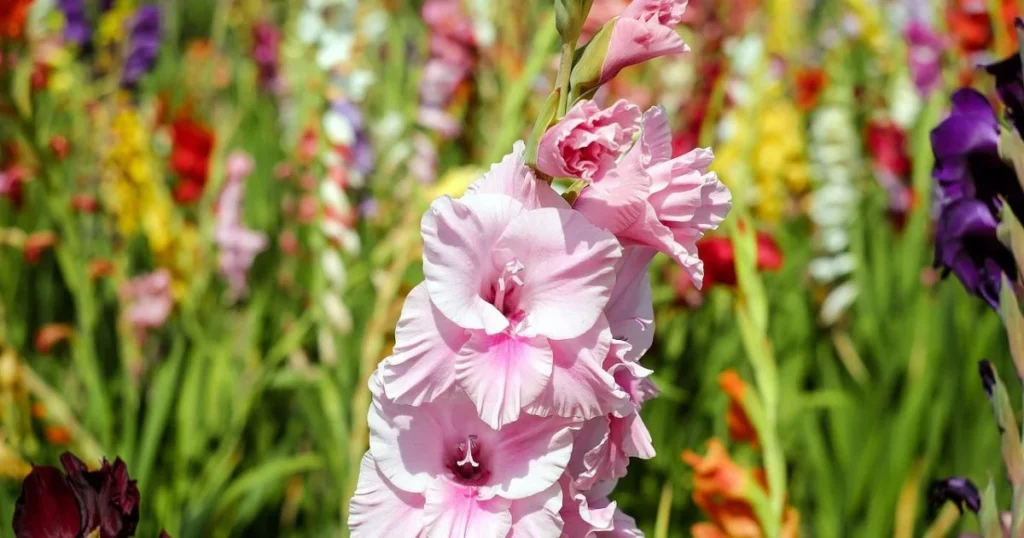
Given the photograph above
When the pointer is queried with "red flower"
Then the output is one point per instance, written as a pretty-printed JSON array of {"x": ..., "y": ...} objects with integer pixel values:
[
  {"x": 888, "y": 146},
  {"x": 969, "y": 23},
  {"x": 810, "y": 82},
  {"x": 12, "y": 18},
  {"x": 60, "y": 147},
  {"x": 719, "y": 258},
  {"x": 77, "y": 502},
  {"x": 10, "y": 184},
  {"x": 191, "y": 146}
]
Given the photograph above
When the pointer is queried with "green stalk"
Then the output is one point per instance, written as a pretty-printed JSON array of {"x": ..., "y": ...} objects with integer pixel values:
[{"x": 562, "y": 82}]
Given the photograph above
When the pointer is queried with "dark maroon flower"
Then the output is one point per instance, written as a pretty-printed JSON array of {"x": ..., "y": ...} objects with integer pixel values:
[
  {"x": 47, "y": 507},
  {"x": 967, "y": 161},
  {"x": 966, "y": 243},
  {"x": 77, "y": 502}
]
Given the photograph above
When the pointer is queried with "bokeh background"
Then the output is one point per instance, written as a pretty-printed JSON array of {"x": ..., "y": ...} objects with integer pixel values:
[{"x": 209, "y": 218}]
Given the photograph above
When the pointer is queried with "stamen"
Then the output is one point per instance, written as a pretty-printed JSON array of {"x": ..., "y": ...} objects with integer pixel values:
[{"x": 468, "y": 458}]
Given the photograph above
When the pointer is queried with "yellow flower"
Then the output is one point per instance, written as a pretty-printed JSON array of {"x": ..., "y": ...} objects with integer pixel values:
[
  {"x": 139, "y": 200},
  {"x": 769, "y": 150}
]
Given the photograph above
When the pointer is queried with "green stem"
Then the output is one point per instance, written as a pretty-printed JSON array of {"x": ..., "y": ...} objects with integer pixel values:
[{"x": 564, "y": 70}]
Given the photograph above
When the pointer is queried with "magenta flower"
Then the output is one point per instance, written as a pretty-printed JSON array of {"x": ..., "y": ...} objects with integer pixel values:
[
  {"x": 924, "y": 55},
  {"x": 512, "y": 307},
  {"x": 438, "y": 470},
  {"x": 651, "y": 199},
  {"x": 586, "y": 143}
]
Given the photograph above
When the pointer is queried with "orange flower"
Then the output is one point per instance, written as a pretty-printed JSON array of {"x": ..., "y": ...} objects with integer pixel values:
[
  {"x": 721, "y": 491},
  {"x": 740, "y": 428},
  {"x": 37, "y": 243},
  {"x": 52, "y": 334},
  {"x": 12, "y": 18},
  {"x": 57, "y": 435},
  {"x": 100, "y": 268},
  {"x": 38, "y": 410}
]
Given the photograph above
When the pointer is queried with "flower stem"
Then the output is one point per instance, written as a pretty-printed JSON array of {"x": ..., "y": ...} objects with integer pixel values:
[{"x": 564, "y": 70}]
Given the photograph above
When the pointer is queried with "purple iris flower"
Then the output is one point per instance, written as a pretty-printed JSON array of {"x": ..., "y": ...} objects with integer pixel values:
[
  {"x": 143, "y": 45},
  {"x": 967, "y": 161},
  {"x": 1010, "y": 86},
  {"x": 76, "y": 22},
  {"x": 966, "y": 243}
]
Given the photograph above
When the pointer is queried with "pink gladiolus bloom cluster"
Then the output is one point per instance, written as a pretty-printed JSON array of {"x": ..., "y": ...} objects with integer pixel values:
[
  {"x": 238, "y": 244},
  {"x": 452, "y": 57},
  {"x": 511, "y": 403}
]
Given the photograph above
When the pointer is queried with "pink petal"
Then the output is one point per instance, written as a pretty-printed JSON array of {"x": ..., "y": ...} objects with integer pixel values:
[
  {"x": 422, "y": 366},
  {"x": 657, "y": 136},
  {"x": 455, "y": 511},
  {"x": 404, "y": 441},
  {"x": 630, "y": 311},
  {"x": 664, "y": 12},
  {"x": 636, "y": 439},
  {"x": 616, "y": 202},
  {"x": 588, "y": 141},
  {"x": 380, "y": 509},
  {"x": 634, "y": 42},
  {"x": 458, "y": 239},
  {"x": 502, "y": 373},
  {"x": 568, "y": 270},
  {"x": 537, "y": 516},
  {"x": 531, "y": 455},
  {"x": 580, "y": 389},
  {"x": 512, "y": 177}
]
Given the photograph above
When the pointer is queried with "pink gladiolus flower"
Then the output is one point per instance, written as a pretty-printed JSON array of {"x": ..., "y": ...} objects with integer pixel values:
[
  {"x": 591, "y": 514},
  {"x": 587, "y": 142},
  {"x": 438, "y": 470},
  {"x": 644, "y": 31},
  {"x": 653, "y": 200},
  {"x": 149, "y": 297},
  {"x": 238, "y": 245},
  {"x": 512, "y": 307}
]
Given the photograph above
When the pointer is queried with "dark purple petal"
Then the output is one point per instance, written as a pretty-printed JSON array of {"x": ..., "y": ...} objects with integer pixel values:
[
  {"x": 967, "y": 161},
  {"x": 966, "y": 243},
  {"x": 47, "y": 506},
  {"x": 1010, "y": 86},
  {"x": 959, "y": 491}
]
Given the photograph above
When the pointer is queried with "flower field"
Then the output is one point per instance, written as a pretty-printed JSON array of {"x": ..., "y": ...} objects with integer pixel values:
[{"x": 511, "y": 268}]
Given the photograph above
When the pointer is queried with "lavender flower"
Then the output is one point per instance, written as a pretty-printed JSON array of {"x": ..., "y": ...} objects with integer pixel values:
[
  {"x": 238, "y": 245},
  {"x": 143, "y": 45},
  {"x": 360, "y": 150},
  {"x": 76, "y": 22}
]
